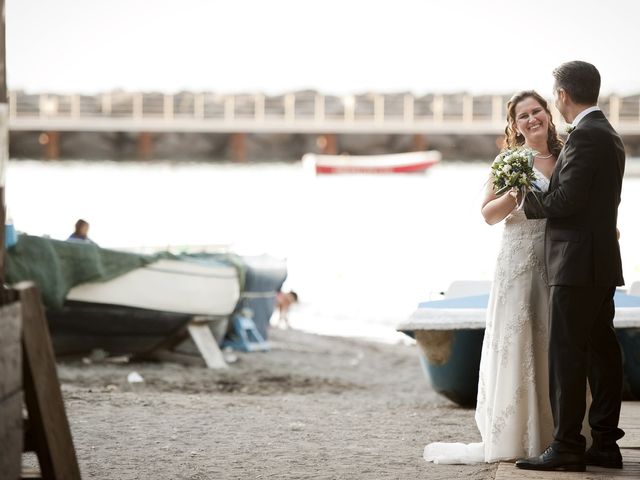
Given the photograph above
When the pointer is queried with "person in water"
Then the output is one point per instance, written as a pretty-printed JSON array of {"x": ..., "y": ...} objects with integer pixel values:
[{"x": 283, "y": 302}]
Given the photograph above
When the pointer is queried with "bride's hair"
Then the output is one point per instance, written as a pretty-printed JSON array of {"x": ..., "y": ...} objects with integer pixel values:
[{"x": 511, "y": 136}]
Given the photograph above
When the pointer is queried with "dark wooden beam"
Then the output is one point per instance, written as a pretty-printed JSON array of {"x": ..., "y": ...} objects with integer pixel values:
[{"x": 49, "y": 432}]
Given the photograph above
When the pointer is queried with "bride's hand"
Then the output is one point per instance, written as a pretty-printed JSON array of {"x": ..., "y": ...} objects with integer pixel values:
[{"x": 617, "y": 233}]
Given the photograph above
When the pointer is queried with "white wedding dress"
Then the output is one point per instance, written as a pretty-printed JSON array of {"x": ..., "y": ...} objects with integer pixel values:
[{"x": 513, "y": 412}]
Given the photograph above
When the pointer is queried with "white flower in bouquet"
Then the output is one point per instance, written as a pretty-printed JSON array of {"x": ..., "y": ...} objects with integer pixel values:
[{"x": 513, "y": 168}]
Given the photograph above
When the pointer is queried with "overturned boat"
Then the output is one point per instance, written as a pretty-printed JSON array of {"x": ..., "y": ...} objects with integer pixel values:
[
  {"x": 120, "y": 302},
  {"x": 144, "y": 309}
]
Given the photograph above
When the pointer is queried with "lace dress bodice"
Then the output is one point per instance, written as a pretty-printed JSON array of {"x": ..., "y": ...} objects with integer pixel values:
[
  {"x": 517, "y": 217},
  {"x": 522, "y": 245}
]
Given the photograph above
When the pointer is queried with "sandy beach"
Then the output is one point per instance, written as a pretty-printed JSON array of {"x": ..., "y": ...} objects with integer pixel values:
[{"x": 313, "y": 407}]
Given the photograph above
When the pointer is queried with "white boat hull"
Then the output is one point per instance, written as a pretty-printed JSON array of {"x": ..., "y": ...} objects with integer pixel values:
[{"x": 168, "y": 286}]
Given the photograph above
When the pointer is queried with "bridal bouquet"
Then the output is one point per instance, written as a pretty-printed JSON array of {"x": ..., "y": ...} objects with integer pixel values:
[{"x": 513, "y": 168}]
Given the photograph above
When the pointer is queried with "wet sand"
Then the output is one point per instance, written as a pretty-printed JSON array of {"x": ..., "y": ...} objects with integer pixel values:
[{"x": 313, "y": 407}]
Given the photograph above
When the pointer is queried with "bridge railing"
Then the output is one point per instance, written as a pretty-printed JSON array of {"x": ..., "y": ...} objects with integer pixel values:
[{"x": 288, "y": 109}]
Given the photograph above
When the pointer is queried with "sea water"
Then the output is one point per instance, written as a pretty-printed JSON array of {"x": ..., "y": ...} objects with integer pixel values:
[{"x": 362, "y": 250}]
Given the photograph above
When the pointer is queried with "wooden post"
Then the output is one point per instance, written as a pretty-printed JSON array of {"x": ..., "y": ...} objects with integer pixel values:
[
  {"x": 11, "y": 436},
  {"x": 167, "y": 107},
  {"x": 26, "y": 357},
  {"x": 419, "y": 142},
  {"x": 289, "y": 107},
  {"x": 47, "y": 105},
  {"x": 198, "y": 106},
  {"x": 75, "y": 106},
  {"x": 378, "y": 109},
  {"x": 318, "y": 108},
  {"x": 238, "y": 146},
  {"x": 349, "y": 103},
  {"x": 438, "y": 109},
  {"x": 258, "y": 111},
  {"x": 145, "y": 146},
  {"x": 327, "y": 144},
  {"x": 137, "y": 106},
  {"x": 106, "y": 104},
  {"x": 205, "y": 342},
  {"x": 10, "y": 392},
  {"x": 497, "y": 115},
  {"x": 229, "y": 108},
  {"x": 614, "y": 109},
  {"x": 49, "y": 434},
  {"x": 51, "y": 144},
  {"x": 4, "y": 138},
  {"x": 467, "y": 109},
  {"x": 13, "y": 105},
  {"x": 408, "y": 109}
]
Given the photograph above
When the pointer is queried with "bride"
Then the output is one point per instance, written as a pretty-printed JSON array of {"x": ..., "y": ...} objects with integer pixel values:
[{"x": 513, "y": 412}]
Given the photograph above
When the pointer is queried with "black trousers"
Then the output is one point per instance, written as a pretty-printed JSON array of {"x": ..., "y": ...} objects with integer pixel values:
[{"x": 583, "y": 344}]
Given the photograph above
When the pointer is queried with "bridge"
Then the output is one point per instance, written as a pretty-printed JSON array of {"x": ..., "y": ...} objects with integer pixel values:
[{"x": 303, "y": 112}]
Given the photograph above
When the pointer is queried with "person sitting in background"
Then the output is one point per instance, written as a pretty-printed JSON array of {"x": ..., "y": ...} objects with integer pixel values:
[
  {"x": 283, "y": 302},
  {"x": 81, "y": 233}
]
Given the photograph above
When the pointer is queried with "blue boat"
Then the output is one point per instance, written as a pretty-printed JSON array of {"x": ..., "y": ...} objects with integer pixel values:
[
  {"x": 264, "y": 278},
  {"x": 261, "y": 277},
  {"x": 449, "y": 334}
]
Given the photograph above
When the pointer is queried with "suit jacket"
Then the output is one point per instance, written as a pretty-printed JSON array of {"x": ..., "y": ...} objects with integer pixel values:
[{"x": 581, "y": 205}]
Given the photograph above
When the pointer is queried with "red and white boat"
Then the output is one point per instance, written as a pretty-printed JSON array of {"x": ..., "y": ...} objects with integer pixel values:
[{"x": 392, "y": 163}]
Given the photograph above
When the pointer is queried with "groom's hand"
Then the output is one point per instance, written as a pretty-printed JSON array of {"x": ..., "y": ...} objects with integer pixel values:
[{"x": 533, "y": 208}]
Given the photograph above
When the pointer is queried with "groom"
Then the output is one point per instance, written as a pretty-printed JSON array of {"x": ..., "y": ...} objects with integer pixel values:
[{"x": 583, "y": 267}]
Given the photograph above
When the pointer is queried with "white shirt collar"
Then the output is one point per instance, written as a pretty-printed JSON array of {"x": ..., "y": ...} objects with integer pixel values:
[{"x": 583, "y": 114}]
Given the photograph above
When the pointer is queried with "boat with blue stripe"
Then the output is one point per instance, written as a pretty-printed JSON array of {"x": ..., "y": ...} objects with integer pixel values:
[{"x": 449, "y": 333}]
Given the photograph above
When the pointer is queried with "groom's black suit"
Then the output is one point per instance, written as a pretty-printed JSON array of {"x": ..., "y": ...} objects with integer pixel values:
[{"x": 584, "y": 267}]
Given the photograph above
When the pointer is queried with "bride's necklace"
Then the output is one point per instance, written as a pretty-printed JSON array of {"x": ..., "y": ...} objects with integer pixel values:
[{"x": 541, "y": 157}]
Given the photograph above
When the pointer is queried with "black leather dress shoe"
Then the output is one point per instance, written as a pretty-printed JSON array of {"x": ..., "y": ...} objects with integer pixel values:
[
  {"x": 609, "y": 457},
  {"x": 551, "y": 460}
]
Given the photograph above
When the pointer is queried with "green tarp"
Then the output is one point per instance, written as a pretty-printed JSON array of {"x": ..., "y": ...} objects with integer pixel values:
[{"x": 56, "y": 266}]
